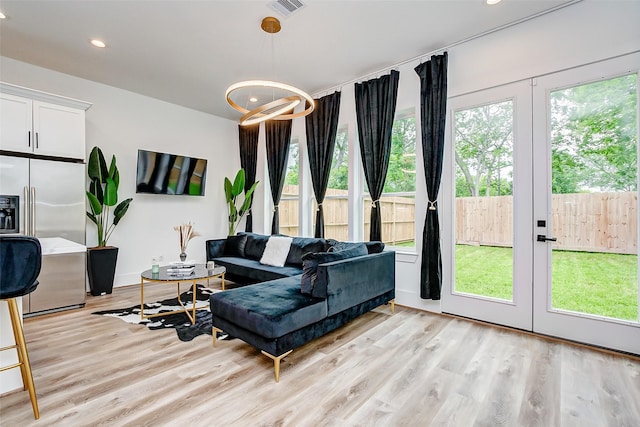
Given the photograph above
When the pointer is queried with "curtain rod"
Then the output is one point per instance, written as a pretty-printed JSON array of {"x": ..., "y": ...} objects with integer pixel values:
[{"x": 447, "y": 47}]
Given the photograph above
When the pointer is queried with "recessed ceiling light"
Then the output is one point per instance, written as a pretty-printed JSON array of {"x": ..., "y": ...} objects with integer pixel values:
[
  {"x": 98, "y": 43},
  {"x": 492, "y": 2},
  {"x": 253, "y": 99}
]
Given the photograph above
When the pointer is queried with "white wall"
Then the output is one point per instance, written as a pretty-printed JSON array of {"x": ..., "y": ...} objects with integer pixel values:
[{"x": 120, "y": 122}]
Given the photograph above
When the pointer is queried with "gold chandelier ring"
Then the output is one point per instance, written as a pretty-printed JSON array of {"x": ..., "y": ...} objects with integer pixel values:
[
  {"x": 275, "y": 85},
  {"x": 282, "y": 105}
]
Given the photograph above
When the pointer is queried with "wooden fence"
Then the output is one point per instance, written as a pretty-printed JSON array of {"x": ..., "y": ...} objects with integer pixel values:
[
  {"x": 398, "y": 216},
  {"x": 591, "y": 222}
]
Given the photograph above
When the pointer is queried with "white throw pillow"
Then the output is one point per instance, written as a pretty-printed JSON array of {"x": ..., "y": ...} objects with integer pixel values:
[{"x": 276, "y": 251}]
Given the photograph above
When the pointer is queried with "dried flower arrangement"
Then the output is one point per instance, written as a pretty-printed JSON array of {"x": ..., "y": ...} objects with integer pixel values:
[{"x": 186, "y": 233}]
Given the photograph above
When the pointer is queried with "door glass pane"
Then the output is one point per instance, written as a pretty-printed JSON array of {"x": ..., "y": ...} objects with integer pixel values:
[
  {"x": 483, "y": 141},
  {"x": 594, "y": 145}
]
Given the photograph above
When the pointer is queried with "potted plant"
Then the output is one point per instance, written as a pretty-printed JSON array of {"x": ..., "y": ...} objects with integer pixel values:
[
  {"x": 102, "y": 196},
  {"x": 232, "y": 192}
]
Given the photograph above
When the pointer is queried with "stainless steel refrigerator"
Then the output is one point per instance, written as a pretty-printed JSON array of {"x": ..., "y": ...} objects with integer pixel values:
[{"x": 51, "y": 207}]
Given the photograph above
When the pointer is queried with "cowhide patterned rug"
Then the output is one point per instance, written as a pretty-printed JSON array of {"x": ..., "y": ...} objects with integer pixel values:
[{"x": 180, "y": 322}]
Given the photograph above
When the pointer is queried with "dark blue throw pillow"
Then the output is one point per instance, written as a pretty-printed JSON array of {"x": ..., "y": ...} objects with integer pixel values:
[
  {"x": 374, "y": 247},
  {"x": 234, "y": 246},
  {"x": 255, "y": 245},
  {"x": 303, "y": 245},
  {"x": 310, "y": 262}
]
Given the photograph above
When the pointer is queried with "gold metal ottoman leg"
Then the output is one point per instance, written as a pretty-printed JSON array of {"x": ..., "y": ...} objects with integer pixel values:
[
  {"x": 214, "y": 334},
  {"x": 276, "y": 361}
]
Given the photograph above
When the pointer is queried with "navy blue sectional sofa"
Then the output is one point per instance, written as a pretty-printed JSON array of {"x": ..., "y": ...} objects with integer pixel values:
[{"x": 323, "y": 285}]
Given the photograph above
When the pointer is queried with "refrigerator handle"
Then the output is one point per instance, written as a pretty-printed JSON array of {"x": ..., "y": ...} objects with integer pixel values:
[
  {"x": 29, "y": 140},
  {"x": 27, "y": 211},
  {"x": 33, "y": 211}
]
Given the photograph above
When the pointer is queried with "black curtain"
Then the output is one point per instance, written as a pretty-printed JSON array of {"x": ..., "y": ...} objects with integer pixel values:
[
  {"x": 375, "y": 109},
  {"x": 248, "y": 160},
  {"x": 278, "y": 133},
  {"x": 433, "y": 107},
  {"x": 321, "y": 128}
]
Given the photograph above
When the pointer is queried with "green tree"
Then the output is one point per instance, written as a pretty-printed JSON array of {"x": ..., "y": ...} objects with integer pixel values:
[
  {"x": 484, "y": 150},
  {"x": 293, "y": 165},
  {"x": 594, "y": 136},
  {"x": 339, "y": 175},
  {"x": 401, "y": 175}
]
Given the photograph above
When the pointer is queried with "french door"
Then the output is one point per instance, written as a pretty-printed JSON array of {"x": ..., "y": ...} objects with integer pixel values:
[
  {"x": 586, "y": 204},
  {"x": 489, "y": 272},
  {"x": 543, "y": 180}
]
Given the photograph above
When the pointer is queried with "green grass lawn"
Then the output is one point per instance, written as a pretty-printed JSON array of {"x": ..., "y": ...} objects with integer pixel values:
[{"x": 593, "y": 283}]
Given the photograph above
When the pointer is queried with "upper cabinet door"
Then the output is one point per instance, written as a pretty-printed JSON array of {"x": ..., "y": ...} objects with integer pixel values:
[
  {"x": 15, "y": 123},
  {"x": 59, "y": 130}
]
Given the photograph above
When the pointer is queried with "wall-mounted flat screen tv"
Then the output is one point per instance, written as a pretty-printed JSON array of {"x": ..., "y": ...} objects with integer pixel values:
[{"x": 162, "y": 173}]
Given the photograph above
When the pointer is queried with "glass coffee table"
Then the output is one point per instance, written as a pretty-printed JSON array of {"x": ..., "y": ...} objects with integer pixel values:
[{"x": 200, "y": 272}]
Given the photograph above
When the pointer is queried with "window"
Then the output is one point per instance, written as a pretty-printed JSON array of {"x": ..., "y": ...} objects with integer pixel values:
[
  {"x": 290, "y": 200},
  {"x": 336, "y": 201},
  {"x": 398, "y": 200}
]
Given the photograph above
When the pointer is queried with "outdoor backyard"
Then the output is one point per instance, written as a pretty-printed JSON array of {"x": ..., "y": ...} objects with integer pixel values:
[{"x": 601, "y": 284}]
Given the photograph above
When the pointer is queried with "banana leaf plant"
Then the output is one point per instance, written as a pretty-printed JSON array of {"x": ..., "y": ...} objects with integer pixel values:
[
  {"x": 103, "y": 195},
  {"x": 232, "y": 192}
]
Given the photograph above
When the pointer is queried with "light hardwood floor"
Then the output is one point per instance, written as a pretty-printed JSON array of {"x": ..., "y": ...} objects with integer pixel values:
[{"x": 410, "y": 369}]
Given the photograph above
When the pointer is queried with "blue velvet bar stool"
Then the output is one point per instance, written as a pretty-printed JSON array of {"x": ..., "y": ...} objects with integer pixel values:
[{"x": 20, "y": 262}]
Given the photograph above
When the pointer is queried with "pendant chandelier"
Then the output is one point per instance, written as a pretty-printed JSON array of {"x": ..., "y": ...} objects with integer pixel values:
[{"x": 282, "y": 98}]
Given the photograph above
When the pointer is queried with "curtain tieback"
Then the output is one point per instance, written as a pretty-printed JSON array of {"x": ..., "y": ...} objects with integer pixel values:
[
  {"x": 275, "y": 208},
  {"x": 319, "y": 207},
  {"x": 373, "y": 203},
  {"x": 432, "y": 205}
]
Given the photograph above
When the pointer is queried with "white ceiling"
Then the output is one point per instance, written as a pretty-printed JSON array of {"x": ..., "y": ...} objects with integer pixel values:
[{"x": 188, "y": 52}]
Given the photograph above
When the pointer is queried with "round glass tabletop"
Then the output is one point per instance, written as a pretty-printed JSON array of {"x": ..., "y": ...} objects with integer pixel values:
[{"x": 170, "y": 274}]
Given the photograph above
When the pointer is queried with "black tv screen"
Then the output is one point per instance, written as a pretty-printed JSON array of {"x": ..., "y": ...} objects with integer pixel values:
[{"x": 162, "y": 173}]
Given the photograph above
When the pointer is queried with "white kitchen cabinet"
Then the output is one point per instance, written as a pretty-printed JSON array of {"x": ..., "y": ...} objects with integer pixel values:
[
  {"x": 16, "y": 123},
  {"x": 40, "y": 123}
]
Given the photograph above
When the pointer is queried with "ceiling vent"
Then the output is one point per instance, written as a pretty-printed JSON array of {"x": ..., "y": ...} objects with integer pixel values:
[{"x": 287, "y": 7}]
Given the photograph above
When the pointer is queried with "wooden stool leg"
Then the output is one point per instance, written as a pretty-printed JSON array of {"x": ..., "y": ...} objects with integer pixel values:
[{"x": 23, "y": 356}]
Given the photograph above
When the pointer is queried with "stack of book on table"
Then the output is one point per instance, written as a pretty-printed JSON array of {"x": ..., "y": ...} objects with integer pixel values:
[{"x": 181, "y": 268}]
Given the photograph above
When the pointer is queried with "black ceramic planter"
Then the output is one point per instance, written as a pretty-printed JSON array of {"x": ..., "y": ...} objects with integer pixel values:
[{"x": 101, "y": 269}]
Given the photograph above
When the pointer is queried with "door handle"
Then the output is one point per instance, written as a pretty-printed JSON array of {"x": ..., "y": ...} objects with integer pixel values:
[
  {"x": 33, "y": 211},
  {"x": 27, "y": 212},
  {"x": 543, "y": 238}
]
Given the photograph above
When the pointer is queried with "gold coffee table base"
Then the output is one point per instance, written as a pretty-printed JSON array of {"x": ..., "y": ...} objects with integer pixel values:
[{"x": 200, "y": 273}]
